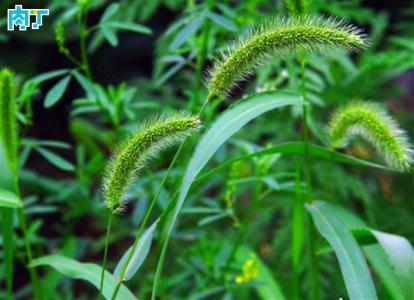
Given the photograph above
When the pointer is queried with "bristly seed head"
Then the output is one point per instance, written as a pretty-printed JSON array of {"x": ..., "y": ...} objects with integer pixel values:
[
  {"x": 8, "y": 124},
  {"x": 373, "y": 123},
  {"x": 138, "y": 148},
  {"x": 278, "y": 38}
]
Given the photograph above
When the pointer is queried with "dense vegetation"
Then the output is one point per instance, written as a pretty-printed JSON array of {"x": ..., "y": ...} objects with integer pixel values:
[{"x": 182, "y": 149}]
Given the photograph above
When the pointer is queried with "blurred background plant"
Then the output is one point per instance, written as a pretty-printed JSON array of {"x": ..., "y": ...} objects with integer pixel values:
[{"x": 98, "y": 68}]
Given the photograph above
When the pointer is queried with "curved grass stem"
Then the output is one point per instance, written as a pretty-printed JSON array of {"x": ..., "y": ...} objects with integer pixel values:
[{"x": 150, "y": 208}]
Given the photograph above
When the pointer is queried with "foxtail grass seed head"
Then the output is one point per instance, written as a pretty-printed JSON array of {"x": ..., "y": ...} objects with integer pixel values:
[
  {"x": 8, "y": 126},
  {"x": 374, "y": 124},
  {"x": 138, "y": 148},
  {"x": 297, "y": 7},
  {"x": 278, "y": 38}
]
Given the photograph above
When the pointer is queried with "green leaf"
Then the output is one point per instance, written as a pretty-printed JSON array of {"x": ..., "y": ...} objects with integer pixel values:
[
  {"x": 379, "y": 261},
  {"x": 184, "y": 33},
  {"x": 109, "y": 12},
  {"x": 354, "y": 269},
  {"x": 222, "y": 21},
  {"x": 49, "y": 75},
  {"x": 47, "y": 143},
  {"x": 56, "y": 160},
  {"x": 109, "y": 34},
  {"x": 297, "y": 148},
  {"x": 129, "y": 26},
  {"x": 375, "y": 254},
  {"x": 86, "y": 84},
  {"x": 400, "y": 254},
  {"x": 139, "y": 255},
  {"x": 9, "y": 199},
  {"x": 84, "y": 271},
  {"x": 56, "y": 92},
  {"x": 268, "y": 288},
  {"x": 226, "y": 125}
]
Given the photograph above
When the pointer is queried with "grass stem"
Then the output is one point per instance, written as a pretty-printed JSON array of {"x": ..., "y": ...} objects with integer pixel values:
[
  {"x": 150, "y": 208},
  {"x": 82, "y": 44},
  {"x": 297, "y": 228},
  {"x": 105, "y": 257},
  {"x": 32, "y": 271},
  {"x": 309, "y": 194}
]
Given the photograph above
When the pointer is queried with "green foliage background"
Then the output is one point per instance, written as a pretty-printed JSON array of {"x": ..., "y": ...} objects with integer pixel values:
[{"x": 152, "y": 57}]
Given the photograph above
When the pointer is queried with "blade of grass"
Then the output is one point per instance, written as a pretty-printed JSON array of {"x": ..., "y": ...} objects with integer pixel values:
[
  {"x": 354, "y": 269},
  {"x": 223, "y": 128}
]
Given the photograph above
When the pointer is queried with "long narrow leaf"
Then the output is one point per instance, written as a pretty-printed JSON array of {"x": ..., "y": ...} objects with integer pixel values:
[
  {"x": 226, "y": 125},
  {"x": 297, "y": 148},
  {"x": 376, "y": 255},
  {"x": 354, "y": 269},
  {"x": 84, "y": 271},
  {"x": 139, "y": 255}
]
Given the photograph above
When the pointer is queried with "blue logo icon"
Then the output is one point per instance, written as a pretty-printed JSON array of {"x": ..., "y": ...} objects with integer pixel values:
[{"x": 20, "y": 18}]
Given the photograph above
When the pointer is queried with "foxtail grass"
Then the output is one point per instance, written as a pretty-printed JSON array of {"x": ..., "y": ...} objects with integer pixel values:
[
  {"x": 131, "y": 156},
  {"x": 9, "y": 146},
  {"x": 279, "y": 38},
  {"x": 374, "y": 124}
]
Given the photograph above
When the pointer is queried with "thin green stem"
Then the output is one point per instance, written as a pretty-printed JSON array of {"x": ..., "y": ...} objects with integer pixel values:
[
  {"x": 309, "y": 194},
  {"x": 104, "y": 260},
  {"x": 314, "y": 261},
  {"x": 144, "y": 221},
  {"x": 82, "y": 43},
  {"x": 297, "y": 229},
  {"x": 32, "y": 270},
  {"x": 150, "y": 208},
  {"x": 201, "y": 58}
]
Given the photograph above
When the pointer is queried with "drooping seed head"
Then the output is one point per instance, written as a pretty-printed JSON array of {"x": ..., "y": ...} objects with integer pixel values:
[
  {"x": 138, "y": 148},
  {"x": 279, "y": 38},
  {"x": 297, "y": 7},
  {"x": 8, "y": 126},
  {"x": 374, "y": 124}
]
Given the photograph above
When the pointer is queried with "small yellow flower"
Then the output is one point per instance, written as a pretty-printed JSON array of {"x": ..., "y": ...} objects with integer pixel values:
[{"x": 250, "y": 271}]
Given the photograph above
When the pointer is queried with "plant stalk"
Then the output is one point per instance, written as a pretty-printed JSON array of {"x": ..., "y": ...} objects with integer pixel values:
[
  {"x": 309, "y": 194},
  {"x": 82, "y": 44},
  {"x": 201, "y": 58},
  {"x": 32, "y": 270},
  {"x": 150, "y": 208},
  {"x": 297, "y": 229},
  {"x": 104, "y": 260}
]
